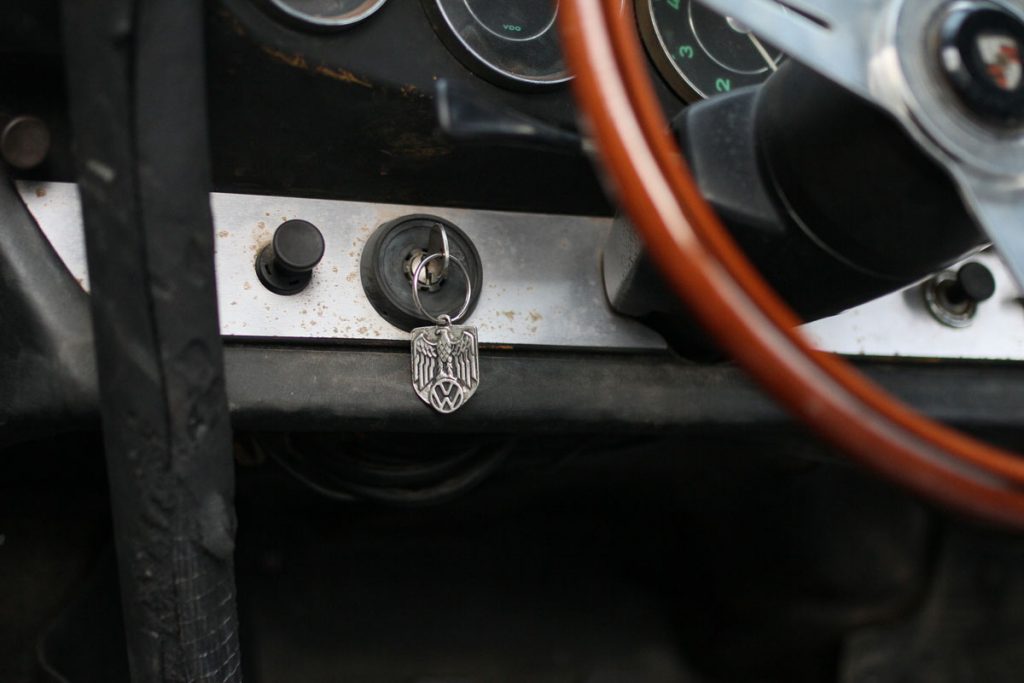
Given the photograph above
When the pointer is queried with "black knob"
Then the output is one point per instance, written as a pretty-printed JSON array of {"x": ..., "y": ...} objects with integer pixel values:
[
  {"x": 24, "y": 141},
  {"x": 974, "y": 284},
  {"x": 285, "y": 266}
]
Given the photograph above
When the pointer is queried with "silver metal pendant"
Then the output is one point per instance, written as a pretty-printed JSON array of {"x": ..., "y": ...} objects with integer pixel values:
[
  {"x": 445, "y": 356},
  {"x": 445, "y": 365}
]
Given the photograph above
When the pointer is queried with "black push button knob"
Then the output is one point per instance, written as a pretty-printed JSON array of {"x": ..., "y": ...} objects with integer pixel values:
[
  {"x": 285, "y": 266},
  {"x": 974, "y": 284}
]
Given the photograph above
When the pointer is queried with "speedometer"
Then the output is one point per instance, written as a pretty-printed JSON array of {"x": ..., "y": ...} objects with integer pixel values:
[{"x": 701, "y": 53}]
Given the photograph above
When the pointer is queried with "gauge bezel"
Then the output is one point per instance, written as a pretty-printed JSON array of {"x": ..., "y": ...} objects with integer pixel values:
[
  {"x": 451, "y": 17},
  {"x": 363, "y": 12},
  {"x": 660, "y": 54}
]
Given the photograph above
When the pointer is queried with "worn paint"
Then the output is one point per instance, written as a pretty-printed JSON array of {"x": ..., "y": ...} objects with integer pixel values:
[{"x": 299, "y": 62}]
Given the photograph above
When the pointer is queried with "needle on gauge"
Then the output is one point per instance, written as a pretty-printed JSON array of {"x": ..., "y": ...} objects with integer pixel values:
[{"x": 758, "y": 45}]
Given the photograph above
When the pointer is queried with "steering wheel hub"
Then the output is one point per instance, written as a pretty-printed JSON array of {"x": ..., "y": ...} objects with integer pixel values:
[{"x": 981, "y": 51}]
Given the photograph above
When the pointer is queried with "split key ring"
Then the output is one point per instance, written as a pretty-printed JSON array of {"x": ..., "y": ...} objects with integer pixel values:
[{"x": 443, "y": 319}]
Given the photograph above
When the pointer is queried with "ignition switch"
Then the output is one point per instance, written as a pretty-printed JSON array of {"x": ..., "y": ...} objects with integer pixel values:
[
  {"x": 394, "y": 253},
  {"x": 434, "y": 274}
]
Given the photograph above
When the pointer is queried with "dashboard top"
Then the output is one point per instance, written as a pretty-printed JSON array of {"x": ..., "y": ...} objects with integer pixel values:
[{"x": 336, "y": 98}]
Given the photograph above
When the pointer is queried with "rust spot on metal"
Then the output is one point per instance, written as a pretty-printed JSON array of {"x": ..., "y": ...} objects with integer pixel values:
[
  {"x": 299, "y": 62},
  {"x": 341, "y": 75},
  {"x": 40, "y": 191}
]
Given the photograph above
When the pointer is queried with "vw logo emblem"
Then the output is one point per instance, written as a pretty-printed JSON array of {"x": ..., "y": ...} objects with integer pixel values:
[{"x": 447, "y": 395}]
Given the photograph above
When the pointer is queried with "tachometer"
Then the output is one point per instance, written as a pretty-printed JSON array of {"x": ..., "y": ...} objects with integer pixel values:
[
  {"x": 701, "y": 53},
  {"x": 327, "y": 13}
]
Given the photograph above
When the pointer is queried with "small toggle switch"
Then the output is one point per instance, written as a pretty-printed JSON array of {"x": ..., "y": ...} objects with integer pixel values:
[{"x": 285, "y": 266}]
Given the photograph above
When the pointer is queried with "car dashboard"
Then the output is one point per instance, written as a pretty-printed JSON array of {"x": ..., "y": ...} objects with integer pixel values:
[
  {"x": 334, "y": 114},
  {"x": 473, "y": 429},
  {"x": 336, "y": 121}
]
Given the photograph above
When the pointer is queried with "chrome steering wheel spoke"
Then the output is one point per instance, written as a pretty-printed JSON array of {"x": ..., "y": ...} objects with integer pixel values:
[
  {"x": 951, "y": 73},
  {"x": 837, "y": 38},
  {"x": 1000, "y": 212}
]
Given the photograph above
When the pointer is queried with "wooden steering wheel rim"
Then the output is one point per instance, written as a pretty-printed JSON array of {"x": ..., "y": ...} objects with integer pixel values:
[{"x": 739, "y": 309}]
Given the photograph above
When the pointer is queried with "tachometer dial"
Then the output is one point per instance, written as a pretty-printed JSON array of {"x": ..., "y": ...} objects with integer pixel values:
[
  {"x": 701, "y": 53},
  {"x": 327, "y": 13}
]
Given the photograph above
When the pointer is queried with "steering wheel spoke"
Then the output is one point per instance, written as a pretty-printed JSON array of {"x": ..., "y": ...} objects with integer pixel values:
[
  {"x": 837, "y": 38},
  {"x": 1000, "y": 212},
  {"x": 951, "y": 74}
]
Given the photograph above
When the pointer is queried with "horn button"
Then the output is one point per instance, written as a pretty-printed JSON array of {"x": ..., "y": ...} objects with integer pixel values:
[{"x": 982, "y": 55}]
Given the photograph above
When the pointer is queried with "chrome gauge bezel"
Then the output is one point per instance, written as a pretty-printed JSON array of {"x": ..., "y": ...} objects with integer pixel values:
[
  {"x": 498, "y": 59},
  {"x": 361, "y": 13}
]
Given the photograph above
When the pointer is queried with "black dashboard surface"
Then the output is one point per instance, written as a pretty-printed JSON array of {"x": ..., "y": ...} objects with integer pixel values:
[{"x": 346, "y": 114}]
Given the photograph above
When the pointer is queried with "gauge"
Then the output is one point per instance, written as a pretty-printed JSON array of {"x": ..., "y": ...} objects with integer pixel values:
[
  {"x": 701, "y": 53},
  {"x": 327, "y": 13},
  {"x": 512, "y": 42}
]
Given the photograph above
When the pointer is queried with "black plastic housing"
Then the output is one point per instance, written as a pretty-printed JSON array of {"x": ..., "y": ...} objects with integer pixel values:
[
  {"x": 387, "y": 284},
  {"x": 824, "y": 193}
]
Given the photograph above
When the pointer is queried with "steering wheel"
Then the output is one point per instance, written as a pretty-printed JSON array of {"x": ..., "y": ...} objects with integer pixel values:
[{"x": 901, "y": 56}]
